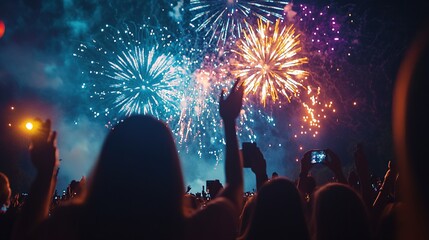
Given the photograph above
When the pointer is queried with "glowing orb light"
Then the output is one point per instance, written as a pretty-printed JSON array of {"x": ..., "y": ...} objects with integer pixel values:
[{"x": 29, "y": 126}]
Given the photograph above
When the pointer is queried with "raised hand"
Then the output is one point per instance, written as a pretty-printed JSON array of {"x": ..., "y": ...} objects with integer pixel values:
[
  {"x": 361, "y": 162},
  {"x": 230, "y": 107},
  {"x": 259, "y": 165},
  {"x": 386, "y": 190},
  {"x": 334, "y": 164},
  {"x": 362, "y": 170},
  {"x": 306, "y": 184},
  {"x": 43, "y": 149},
  {"x": 305, "y": 164},
  {"x": 259, "y": 168},
  {"x": 44, "y": 155},
  {"x": 389, "y": 178}
]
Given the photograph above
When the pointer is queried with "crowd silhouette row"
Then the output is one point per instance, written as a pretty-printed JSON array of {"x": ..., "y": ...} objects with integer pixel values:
[{"x": 281, "y": 208}]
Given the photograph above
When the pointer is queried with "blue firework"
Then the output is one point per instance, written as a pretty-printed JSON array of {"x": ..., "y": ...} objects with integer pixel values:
[
  {"x": 224, "y": 19},
  {"x": 132, "y": 70}
]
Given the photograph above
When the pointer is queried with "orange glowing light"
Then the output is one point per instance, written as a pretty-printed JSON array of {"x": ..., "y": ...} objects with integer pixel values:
[
  {"x": 29, "y": 126},
  {"x": 268, "y": 62}
]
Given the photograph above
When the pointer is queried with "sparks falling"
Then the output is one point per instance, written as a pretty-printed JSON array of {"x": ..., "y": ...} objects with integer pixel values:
[
  {"x": 267, "y": 61},
  {"x": 144, "y": 80},
  {"x": 199, "y": 124},
  {"x": 224, "y": 19}
]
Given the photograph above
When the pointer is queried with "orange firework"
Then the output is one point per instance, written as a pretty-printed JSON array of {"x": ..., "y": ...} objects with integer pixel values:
[{"x": 267, "y": 61}]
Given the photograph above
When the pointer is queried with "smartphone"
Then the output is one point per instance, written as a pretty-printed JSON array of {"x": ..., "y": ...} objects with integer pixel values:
[
  {"x": 318, "y": 156},
  {"x": 249, "y": 150}
]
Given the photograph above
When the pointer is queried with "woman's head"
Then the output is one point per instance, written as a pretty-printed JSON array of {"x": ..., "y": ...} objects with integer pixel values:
[
  {"x": 340, "y": 213},
  {"x": 138, "y": 164},
  {"x": 278, "y": 212}
]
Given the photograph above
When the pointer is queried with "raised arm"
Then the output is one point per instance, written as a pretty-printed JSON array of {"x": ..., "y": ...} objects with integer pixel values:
[
  {"x": 362, "y": 170},
  {"x": 386, "y": 190},
  {"x": 44, "y": 157},
  {"x": 335, "y": 165},
  {"x": 305, "y": 184},
  {"x": 229, "y": 109},
  {"x": 259, "y": 168}
]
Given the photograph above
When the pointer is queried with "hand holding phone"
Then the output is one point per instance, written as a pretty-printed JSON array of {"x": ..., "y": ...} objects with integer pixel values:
[
  {"x": 318, "y": 156},
  {"x": 249, "y": 150}
]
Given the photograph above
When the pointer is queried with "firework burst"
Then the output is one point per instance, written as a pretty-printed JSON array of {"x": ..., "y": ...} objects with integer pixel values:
[
  {"x": 132, "y": 71},
  {"x": 199, "y": 120},
  {"x": 224, "y": 19},
  {"x": 199, "y": 125},
  {"x": 267, "y": 61}
]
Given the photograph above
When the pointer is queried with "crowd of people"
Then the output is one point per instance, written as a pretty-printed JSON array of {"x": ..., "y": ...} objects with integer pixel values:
[{"x": 280, "y": 208}]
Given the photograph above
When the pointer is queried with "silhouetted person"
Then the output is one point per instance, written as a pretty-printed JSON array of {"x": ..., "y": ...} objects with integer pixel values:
[
  {"x": 274, "y": 175},
  {"x": 362, "y": 171},
  {"x": 246, "y": 215},
  {"x": 410, "y": 131},
  {"x": 76, "y": 189},
  {"x": 190, "y": 204},
  {"x": 339, "y": 213},
  {"x": 307, "y": 184},
  {"x": 388, "y": 222},
  {"x": 278, "y": 212},
  {"x": 214, "y": 187}
]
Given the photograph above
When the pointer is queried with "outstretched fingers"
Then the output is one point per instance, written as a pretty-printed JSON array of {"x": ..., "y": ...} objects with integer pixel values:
[
  {"x": 52, "y": 140},
  {"x": 222, "y": 96},
  {"x": 237, "y": 81}
]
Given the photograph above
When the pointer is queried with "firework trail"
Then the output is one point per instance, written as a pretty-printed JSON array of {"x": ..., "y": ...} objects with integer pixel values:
[
  {"x": 224, "y": 19},
  {"x": 200, "y": 124},
  {"x": 327, "y": 39}
]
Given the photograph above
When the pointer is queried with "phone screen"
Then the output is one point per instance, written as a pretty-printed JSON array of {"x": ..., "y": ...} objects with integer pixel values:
[{"x": 318, "y": 156}]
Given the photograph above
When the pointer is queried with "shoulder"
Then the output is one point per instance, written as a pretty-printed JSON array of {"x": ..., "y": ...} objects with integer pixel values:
[
  {"x": 62, "y": 223},
  {"x": 67, "y": 214},
  {"x": 217, "y": 220},
  {"x": 219, "y": 206}
]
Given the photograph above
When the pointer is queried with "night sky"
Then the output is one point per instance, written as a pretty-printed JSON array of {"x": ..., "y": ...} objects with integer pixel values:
[{"x": 39, "y": 77}]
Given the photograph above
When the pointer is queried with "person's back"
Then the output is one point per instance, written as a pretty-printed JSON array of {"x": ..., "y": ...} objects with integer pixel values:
[
  {"x": 339, "y": 213},
  {"x": 278, "y": 212}
]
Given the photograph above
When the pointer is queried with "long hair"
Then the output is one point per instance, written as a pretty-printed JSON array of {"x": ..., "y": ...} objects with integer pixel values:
[
  {"x": 138, "y": 178},
  {"x": 278, "y": 212},
  {"x": 340, "y": 213}
]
